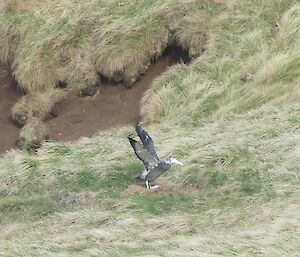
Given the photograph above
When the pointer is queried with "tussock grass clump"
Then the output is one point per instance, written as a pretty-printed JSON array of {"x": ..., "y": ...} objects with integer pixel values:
[
  {"x": 17, "y": 5},
  {"x": 32, "y": 134},
  {"x": 232, "y": 118},
  {"x": 37, "y": 104},
  {"x": 245, "y": 67},
  {"x": 74, "y": 41},
  {"x": 71, "y": 43}
]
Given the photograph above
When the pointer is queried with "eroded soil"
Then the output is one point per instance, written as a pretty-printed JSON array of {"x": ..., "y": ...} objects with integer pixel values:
[
  {"x": 8, "y": 97},
  {"x": 114, "y": 105}
]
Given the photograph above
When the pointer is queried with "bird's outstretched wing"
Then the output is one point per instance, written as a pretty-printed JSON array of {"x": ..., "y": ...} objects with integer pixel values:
[
  {"x": 148, "y": 160},
  {"x": 146, "y": 140}
]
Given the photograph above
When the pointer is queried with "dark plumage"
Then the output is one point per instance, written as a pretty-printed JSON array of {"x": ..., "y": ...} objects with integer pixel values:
[{"x": 154, "y": 167}]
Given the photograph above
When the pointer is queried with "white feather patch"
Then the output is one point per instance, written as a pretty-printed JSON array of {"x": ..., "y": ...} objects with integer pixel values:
[{"x": 144, "y": 174}]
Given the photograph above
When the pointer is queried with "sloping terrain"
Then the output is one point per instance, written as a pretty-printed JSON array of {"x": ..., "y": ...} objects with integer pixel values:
[
  {"x": 57, "y": 47},
  {"x": 232, "y": 118},
  {"x": 75, "y": 117}
]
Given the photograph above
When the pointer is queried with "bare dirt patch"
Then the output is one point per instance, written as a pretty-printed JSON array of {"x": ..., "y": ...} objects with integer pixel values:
[
  {"x": 8, "y": 97},
  {"x": 113, "y": 106}
]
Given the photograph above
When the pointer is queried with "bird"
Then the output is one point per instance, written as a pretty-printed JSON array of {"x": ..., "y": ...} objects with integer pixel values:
[{"x": 154, "y": 166}]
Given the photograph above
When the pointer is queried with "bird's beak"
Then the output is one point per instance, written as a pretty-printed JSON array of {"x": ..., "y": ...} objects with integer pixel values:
[{"x": 177, "y": 162}]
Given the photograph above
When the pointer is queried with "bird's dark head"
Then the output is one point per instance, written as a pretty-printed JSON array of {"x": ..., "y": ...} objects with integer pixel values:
[{"x": 171, "y": 160}]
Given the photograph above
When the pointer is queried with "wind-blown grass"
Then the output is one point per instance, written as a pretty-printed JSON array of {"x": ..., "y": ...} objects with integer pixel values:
[
  {"x": 228, "y": 183},
  {"x": 247, "y": 66},
  {"x": 232, "y": 117},
  {"x": 36, "y": 104},
  {"x": 71, "y": 43}
]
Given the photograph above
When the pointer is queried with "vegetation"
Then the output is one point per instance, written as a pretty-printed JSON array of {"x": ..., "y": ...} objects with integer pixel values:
[
  {"x": 232, "y": 117},
  {"x": 69, "y": 43}
]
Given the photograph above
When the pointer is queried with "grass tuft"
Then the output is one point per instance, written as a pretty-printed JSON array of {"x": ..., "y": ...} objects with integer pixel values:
[{"x": 231, "y": 116}]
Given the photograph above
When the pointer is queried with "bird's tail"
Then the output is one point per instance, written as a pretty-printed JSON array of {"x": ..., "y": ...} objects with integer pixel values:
[
  {"x": 137, "y": 176},
  {"x": 140, "y": 175}
]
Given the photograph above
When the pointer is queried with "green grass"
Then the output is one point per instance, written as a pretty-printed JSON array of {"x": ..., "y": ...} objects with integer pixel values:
[
  {"x": 231, "y": 116},
  {"x": 116, "y": 39},
  {"x": 52, "y": 43},
  {"x": 166, "y": 203},
  {"x": 116, "y": 179},
  {"x": 26, "y": 209}
]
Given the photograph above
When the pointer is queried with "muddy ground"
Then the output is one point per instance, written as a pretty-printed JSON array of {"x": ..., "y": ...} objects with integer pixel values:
[
  {"x": 8, "y": 97},
  {"x": 114, "y": 105}
]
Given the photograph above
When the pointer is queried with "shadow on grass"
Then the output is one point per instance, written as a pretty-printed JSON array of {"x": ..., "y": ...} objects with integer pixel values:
[
  {"x": 165, "y": 203},
  {"x": 31, "y": 208},
  {"x": 116, "y": 179}
]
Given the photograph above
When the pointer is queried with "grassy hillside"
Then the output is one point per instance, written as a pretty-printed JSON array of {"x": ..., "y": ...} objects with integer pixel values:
[
  {"x": 232, "y": 117},
  {"x": 72, "y": 41},
  {"x": 68, "y": 44}
]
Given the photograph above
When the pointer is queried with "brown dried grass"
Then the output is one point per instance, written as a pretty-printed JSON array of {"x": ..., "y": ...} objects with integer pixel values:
[
  {"x": 36, "y": 104},
  {"x": 32, "y": 134},
  {"x": 73, "y": 41}
]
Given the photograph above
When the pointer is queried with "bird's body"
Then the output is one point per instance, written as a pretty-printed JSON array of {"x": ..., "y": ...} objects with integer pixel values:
[
  {"x": 154, "y": 167},
  {"x": 154, "y": 173}
]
